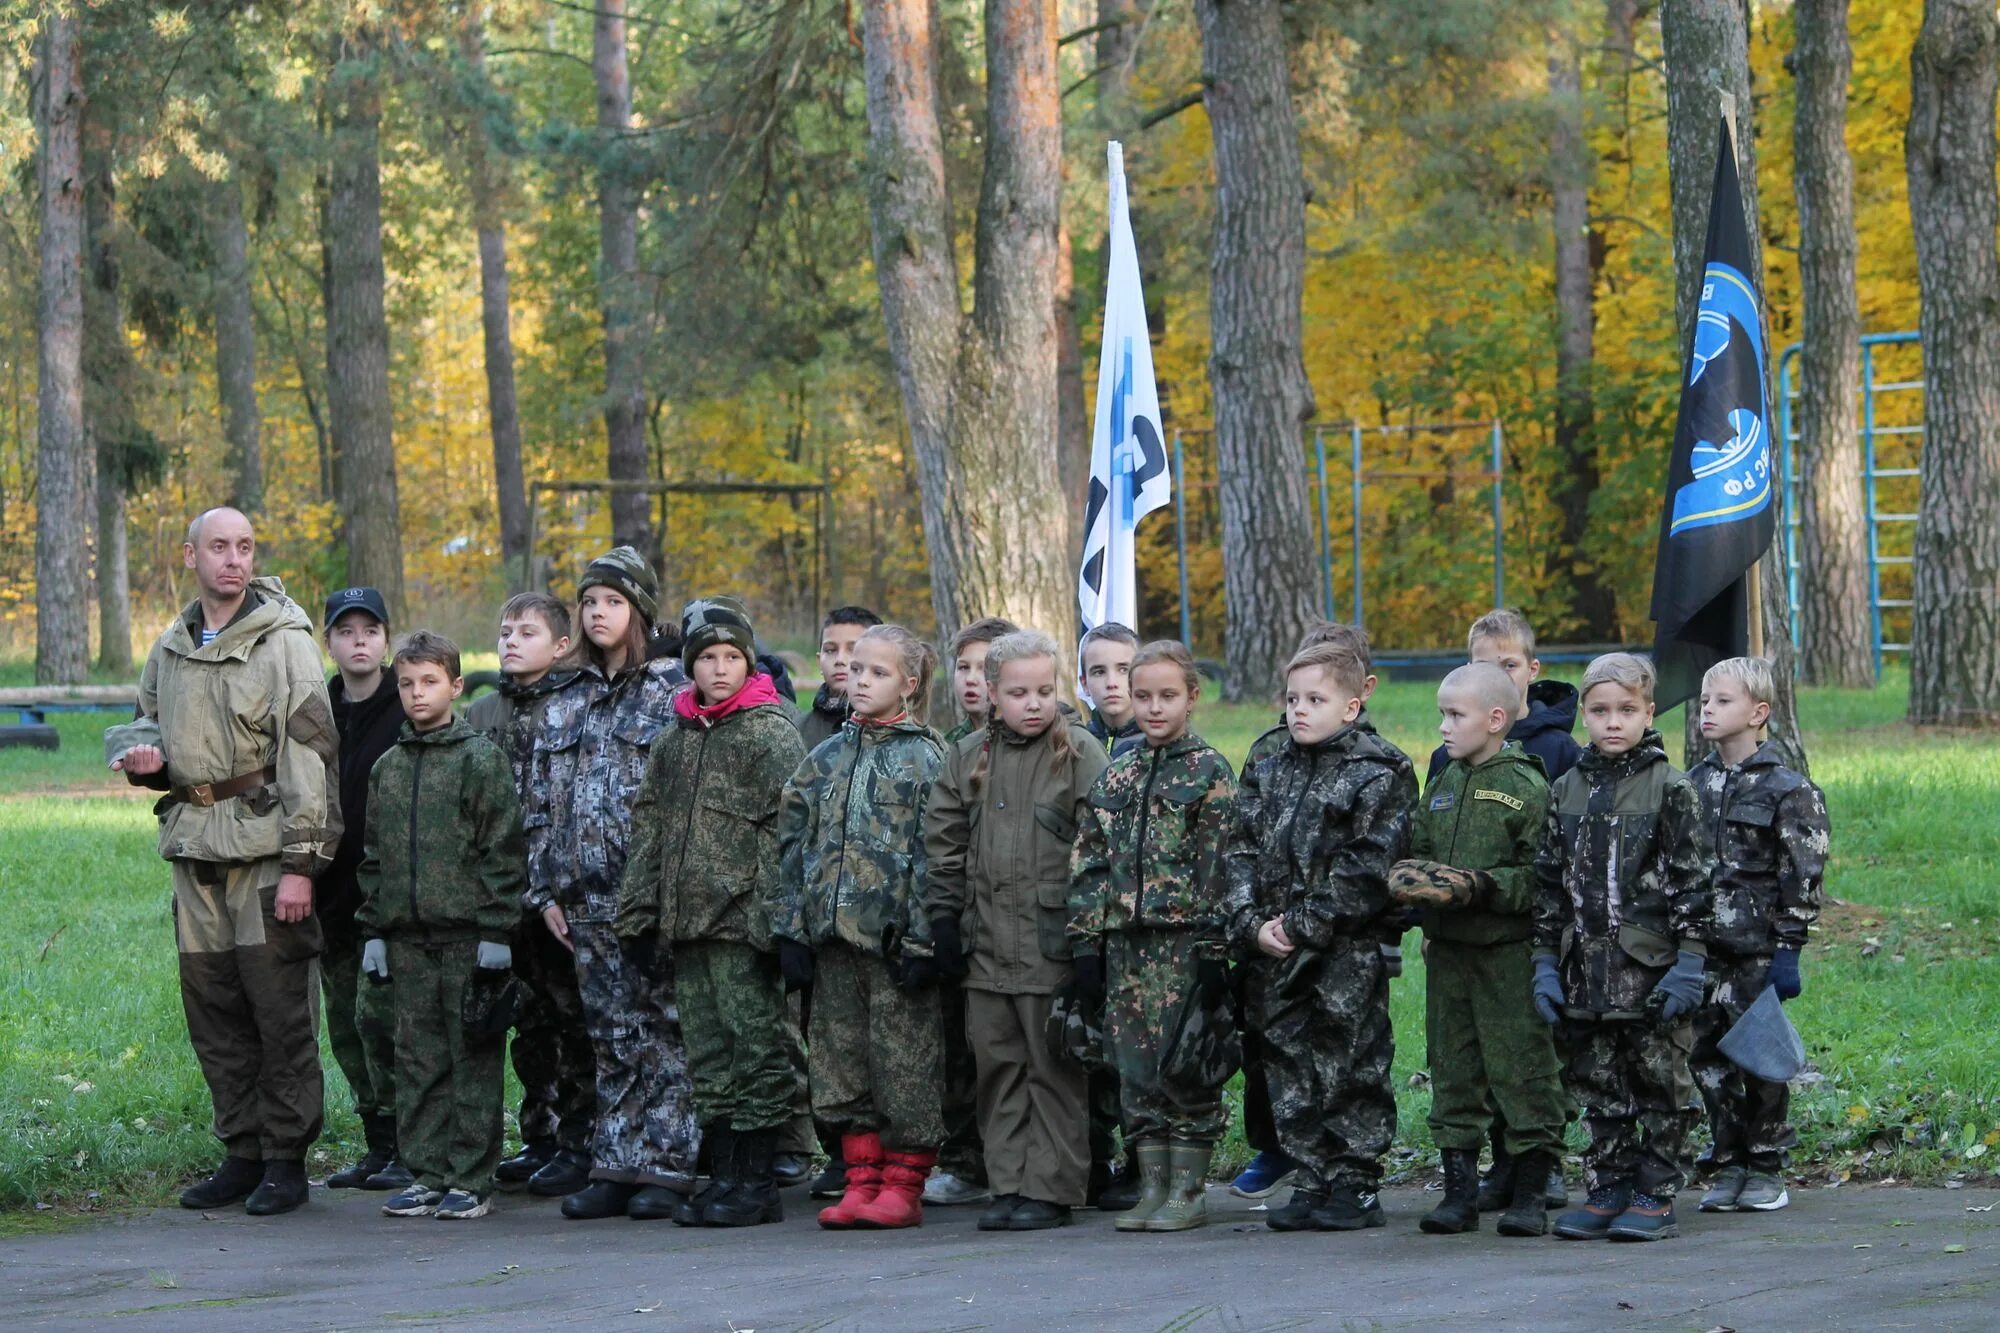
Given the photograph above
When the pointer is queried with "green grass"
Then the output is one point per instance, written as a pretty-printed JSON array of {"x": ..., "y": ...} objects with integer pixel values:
[{"x": 101, "y": 1104}]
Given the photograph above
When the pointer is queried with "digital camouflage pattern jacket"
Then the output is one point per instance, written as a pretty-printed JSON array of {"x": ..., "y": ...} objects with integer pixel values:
[
  {"x": 851, "y": 838},
  {"x": 1489, "y": 818},
  {"x": 1313, "y": 839},
  {"x": 590, "y": 754},
  {"x": 442, "y": 856},
  {"x": 510, "y": 716},
  {"x": 1769, "y": 827},
  {"x": 1149, "y": 848},
  {"x": 704, "y": 856},
  {"x": 1622, "y": 877}
]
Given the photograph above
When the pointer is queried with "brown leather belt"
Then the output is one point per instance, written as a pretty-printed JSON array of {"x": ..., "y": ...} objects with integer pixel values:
[{"x": 208, "y": 793}]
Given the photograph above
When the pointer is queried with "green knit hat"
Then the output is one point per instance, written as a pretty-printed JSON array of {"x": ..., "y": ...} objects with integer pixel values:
[
  {"x": 707, "y": 621},
  {"x": 625, "y": 572}
]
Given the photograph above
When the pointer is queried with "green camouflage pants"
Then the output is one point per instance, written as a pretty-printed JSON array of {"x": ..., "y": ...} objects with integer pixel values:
[
  {"x": 1750, "y": 1118},
  {"x": 1149, "y": 974},
  {"x": 877, "y": 1051},
  {"x": 360, "y": 1022},
  {"x": 1631, "y": 1078},
  {"x": 1484, "y": 1036},
  {"x": 450, "y": 1086},
  {"x": 733, "y": 1017}
]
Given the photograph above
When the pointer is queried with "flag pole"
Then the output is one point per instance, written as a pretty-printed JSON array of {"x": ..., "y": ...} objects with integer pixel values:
[{"x": 1753, "y": 578}]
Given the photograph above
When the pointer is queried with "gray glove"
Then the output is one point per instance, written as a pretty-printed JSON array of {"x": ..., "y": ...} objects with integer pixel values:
[
  {"x": 375, "y": 961},
  {"x": 1548, "y": 991},
  {"x": 495, "y": 957},
  {"x": 1679, "y": 992}
]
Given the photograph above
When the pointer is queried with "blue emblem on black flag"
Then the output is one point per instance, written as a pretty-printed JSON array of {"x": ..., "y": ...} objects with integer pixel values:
[{"x": 1720, "y": 508}]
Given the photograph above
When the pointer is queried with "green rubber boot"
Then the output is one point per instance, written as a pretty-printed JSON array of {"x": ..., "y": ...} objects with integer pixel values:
[
  {"x": 1153, "y": 1169},
  {"x": 1187, "y": 1193}
]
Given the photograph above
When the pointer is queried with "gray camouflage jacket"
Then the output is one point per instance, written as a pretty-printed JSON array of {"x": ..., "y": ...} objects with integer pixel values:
[{"x": 1770, "y": 832}]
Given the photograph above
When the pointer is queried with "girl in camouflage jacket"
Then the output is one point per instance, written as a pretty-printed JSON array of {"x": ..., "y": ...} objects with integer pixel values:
[
  {"x": 848, "y": 914},
  {"x": 1145, "y": 917}
]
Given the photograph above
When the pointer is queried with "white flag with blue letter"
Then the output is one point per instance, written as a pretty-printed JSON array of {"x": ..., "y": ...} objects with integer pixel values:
[{"x": 1128, "y": 463}]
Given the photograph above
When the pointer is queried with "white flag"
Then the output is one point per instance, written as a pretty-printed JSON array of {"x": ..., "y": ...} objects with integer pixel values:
[{"x": 1128, "y": 463}]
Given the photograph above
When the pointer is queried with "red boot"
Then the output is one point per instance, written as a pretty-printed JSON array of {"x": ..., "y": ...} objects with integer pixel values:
[
  {"x": 863, "y": 1155},
  {"x": 901, "y": 1201}
]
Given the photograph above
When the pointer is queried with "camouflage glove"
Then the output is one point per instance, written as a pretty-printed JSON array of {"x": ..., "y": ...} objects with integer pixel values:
[{"x": 1430, "y": 884}]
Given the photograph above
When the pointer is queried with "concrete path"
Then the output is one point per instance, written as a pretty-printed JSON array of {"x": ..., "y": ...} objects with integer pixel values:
[{"x": 1876, "y": 1258}]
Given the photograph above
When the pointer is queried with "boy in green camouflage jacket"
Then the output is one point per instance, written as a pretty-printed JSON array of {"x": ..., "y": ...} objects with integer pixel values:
[
  {"x": 1472, "y": 849},
  {"x": 441, "y": 875},
  {"x": 1145, "y": 918}
]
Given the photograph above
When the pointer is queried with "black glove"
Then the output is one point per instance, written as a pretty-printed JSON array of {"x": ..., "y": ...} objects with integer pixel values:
[
  {"x": 1087, "y": 979},
  {"x": 948, "y": 947},
  {"x": 1211, "y": 982},
  {"x": 642, "y": 954},
  {"x": 795, "y": 964},
  {"x": 913, "y": 971}
]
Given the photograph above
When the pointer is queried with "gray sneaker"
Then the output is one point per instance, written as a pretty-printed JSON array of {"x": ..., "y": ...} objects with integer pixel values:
[
  {"x": 415, "y": 1201},
  {"x": 1763, "y": 1192},
  {"x": 1725, "y": 1195},
  {"x": 944, "y": 1189}
]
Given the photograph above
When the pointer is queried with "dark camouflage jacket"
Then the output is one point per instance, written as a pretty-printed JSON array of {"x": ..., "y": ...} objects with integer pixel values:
[
  {"x": 851, "y": 838},
  {"x": 441, "y": 860},
  {"x": 1770, "y": 832},
  {"x": 960, "y": 732},
  {"x": 1149, "y": 849},
  {"x": 1622, "y": 876},
  {"x": 511, "y": 715},
  {"x": 1116, "y": 740},
  {"x": 1485, "y": 818},
  {"x": 1314, "y": 837},
  {"x": 704, "y": 857},
  {"x": 590, "y": 753},
  {"x": 823, "y": 719},
  {"x": 999, "y": 850}
]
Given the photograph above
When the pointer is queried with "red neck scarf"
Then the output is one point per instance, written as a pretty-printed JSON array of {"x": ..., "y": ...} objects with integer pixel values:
[{"x": 758, "y": 689}]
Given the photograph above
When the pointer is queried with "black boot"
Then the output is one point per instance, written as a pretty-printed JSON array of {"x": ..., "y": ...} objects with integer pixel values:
[
  {"x": 394, "y": 1176},
  {"x": 379, "y": 1131},
  {"x": 567, "y": 1172},
  {"x": 1348, "y": 1209},
  {"x": 1122, "y": 1194},
  {"x": 282, "y": 1189},
  {"x": 229, "y": 1183},
  {"x": 719, "y": 1147},
  {"x": 521, "y": 1167},
  {"x": 599, "y": 1199},
  {"x": 1496, "y": 1187},
  {"x": 1298, "y": 1211},
  {"x": 1458, "y": 1211},
  {"x": 752, "y": 1197},
  {"x": 1527, "y": 1214}
]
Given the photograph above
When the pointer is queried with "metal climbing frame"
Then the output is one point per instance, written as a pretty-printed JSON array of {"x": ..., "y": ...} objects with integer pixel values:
[{"x": 1890, "y": 424}]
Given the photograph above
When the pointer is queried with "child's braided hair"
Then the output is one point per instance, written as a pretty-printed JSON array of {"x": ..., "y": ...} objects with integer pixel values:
[{"x": 1022, "y": 646}]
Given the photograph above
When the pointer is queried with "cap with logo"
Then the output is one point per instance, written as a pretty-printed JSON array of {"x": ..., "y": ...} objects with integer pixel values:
[{"x": 356, "y": 599}]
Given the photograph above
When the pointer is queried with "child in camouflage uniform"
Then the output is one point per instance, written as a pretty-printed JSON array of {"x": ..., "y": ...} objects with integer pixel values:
[
  {"x": 1620, "y": 936},
  {"x": 848, "y": 915},
  {"x": 1308, "y": 863},
  {"x": 998, "y": 832},
  {"x": 441, "y": 888},
  {"x": 1771, "y": 838},
  {"x": 1473, "y": 849},
  {"x": 1145, "y": 920},
  {"x": 699, "y": 881}
]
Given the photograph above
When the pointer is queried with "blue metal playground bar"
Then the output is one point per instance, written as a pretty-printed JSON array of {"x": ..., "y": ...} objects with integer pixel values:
[{"x": 1871, "y": 430}]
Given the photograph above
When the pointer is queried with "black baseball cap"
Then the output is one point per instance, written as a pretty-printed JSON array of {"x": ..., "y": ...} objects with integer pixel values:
[{"x": 356, "y": 599}]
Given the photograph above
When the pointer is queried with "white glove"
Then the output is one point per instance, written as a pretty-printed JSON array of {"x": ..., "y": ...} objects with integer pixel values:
[
  {"x": 495, "y": 957},
  {"x": 375, "y": 960}
]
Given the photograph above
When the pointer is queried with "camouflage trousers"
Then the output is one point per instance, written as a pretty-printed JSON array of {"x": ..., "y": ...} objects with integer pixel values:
[
  {"x": 250, "y": 990},
  {"x": 1032, "y": 1115},
  {"x": 551, "y": 1046},
  {"x": 1324, "y": 1016},
  {"x": 739, "y": 1059},
  {"x": 360, "y": 1022},
  {"x": 1489, "y": 1048},
  {"x": 450, "y": 1086},
  {"x": 1149, "y": 974},
  {"x": 646, "y": 1132},
  {"x": 1749, "y": 1117},
  {"x": 877, "y": 1051},
  {"x": 1631, "y": 1078},
  {"x": 962, "y": 1154}
]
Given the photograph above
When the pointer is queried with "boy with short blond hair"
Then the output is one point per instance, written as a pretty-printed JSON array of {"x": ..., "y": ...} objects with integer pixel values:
[
  {"x": 1771, "y": 841},
  {"x": 1547, "y": 712},
  {"x": 1620, "y": 931}
]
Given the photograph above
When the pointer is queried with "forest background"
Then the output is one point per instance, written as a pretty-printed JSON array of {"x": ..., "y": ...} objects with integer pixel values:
[{"x": 1430, "y": 137}]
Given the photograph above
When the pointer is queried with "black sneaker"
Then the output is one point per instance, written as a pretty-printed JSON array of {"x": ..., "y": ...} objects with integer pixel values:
[
  {"x": 282, "y": 1189},
  {"x": 1297, "y": 1213},
  {"x": 1593, "y": 1220},
  {"x": 1038, "y": 1215},
  {"x": 463, "y": 1205},
  {"x": 521, "y": 1167},
  {"x": 394, "y": 1176},
  {"x": 356, "y": 1177},
  {"x": 229, "y": 1183},
  {"x": 567, "y": 1172},
  {"x": 416, "y": 1201},
  {"x": 790, "y": 1168},
  {"x": 1647, "y": 1217},
  {"x": 1000, "y": 1212},
  {"x": 831, "y": 1182},
  {"x": 1349, "y": 1209}
]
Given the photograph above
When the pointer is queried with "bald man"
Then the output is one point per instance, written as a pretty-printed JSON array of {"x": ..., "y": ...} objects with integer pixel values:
[{"x": 235, "y": 727}]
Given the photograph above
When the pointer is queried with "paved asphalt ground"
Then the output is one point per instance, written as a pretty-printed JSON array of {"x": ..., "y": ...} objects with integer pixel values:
[{"x": 1859, "y": 1257}]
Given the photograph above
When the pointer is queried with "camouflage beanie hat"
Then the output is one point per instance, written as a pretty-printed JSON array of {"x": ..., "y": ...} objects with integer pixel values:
[
  {"x": 707, "y": 621},
  {"x": 625, "y": 572}
]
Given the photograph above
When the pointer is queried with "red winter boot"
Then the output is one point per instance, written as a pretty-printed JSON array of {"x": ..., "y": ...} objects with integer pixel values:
[
  {"x": 901, "y": 1201},
  {"x": 863, "y": 1155}
]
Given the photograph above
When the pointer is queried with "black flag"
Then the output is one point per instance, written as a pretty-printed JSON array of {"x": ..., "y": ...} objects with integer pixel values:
[{"x": 1720, "y": 510}]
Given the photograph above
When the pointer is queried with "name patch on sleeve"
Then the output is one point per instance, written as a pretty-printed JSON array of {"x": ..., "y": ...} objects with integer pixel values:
[{"x": 1511, "y": 802}]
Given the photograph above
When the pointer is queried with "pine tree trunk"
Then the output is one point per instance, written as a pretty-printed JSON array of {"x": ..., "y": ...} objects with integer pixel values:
[
  {"x": 618, "y": 283},
  {"x": 1256, "y": 371},
  {"x": 503, "y": 411},
  {"x": 62, "y": 600},
  {"x": 357, "y": 329},
  {"x": 236, "y": 345},
  {"x": 109, "y": 392},
  {"x": 1949, "y": 150},
  {"x": 1835, "y": 627},
  {"x": 1707, "y": 52}
]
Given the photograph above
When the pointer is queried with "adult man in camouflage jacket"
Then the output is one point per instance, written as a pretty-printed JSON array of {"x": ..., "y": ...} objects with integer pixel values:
[{"x": 235, "y": 726}]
